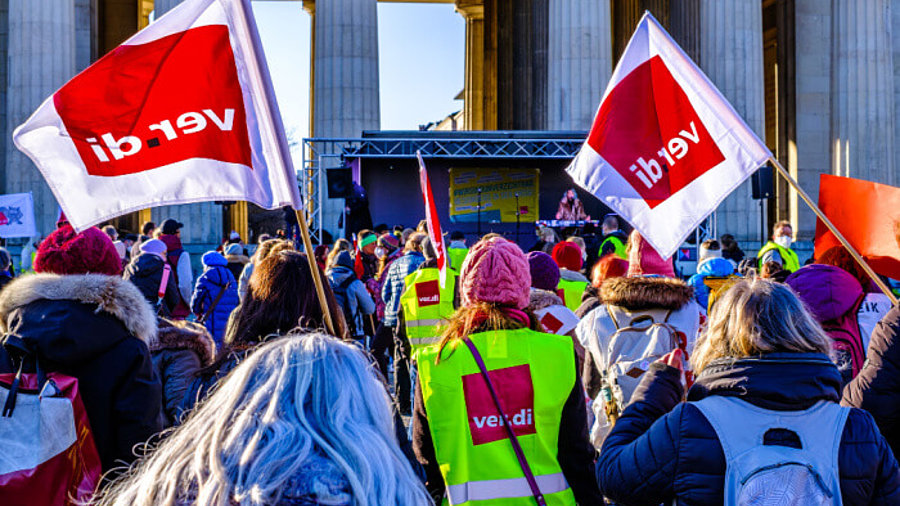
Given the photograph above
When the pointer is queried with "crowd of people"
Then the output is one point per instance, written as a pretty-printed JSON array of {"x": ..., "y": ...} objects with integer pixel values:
[{"x": 584, "y": 371}]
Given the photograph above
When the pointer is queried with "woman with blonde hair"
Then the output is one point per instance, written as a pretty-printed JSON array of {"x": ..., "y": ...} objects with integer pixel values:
[
  {"x": 303, "y": 420},
  {"x": 761, "y": 417},
  {"x": 519, "y": 390}
]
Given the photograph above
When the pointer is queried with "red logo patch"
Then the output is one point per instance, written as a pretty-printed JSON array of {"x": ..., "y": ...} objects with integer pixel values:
[
  {"x": 649, "y": 132},
  {"x": 145, "y": 106},
  {"x": 428, "y": 293},
  {"x": 551, "y": 323},
  {"x": 516, "y": 394}
]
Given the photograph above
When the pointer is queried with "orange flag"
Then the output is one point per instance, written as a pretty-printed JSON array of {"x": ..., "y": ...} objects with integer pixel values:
[{"x": 867, "y": 214}]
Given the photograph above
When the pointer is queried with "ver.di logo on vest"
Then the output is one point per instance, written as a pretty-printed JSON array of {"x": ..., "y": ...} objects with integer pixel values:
[
  {"x": 428, "y": 293},
  {"x": 516, "y": 394}
]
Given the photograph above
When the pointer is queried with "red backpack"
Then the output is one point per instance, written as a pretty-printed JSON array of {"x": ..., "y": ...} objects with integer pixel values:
[{"x": 49, "y": 455}]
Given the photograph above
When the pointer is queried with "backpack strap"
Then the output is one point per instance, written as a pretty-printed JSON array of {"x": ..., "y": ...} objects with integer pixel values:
[
  {"x": 520, "y": 455},
  {"x": 612, "y": 316},
  {"x": 215, "y": 303}
]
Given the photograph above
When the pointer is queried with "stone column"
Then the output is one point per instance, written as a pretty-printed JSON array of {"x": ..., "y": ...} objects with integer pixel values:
[
  {"x": 862, "y": 86},
  {"x": 580, "y": 62},
  {"x": 473, "y": 94},
  {"x": 731, "y": 54},
  {"x": 346, "y": 99},
  {"x": 41, "y": 59},
  {"x": 161, "y": 7}
]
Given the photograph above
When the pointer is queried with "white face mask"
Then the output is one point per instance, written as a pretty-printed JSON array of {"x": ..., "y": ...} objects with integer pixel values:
[
  {"x": 784, "y": 241},
  {"x": 379, "y": 252}
]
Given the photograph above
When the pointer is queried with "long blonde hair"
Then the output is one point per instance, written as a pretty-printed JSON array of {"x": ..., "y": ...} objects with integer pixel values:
[
  {"x": 294, "y": 401},
  {"x": 755, "y": 317}
]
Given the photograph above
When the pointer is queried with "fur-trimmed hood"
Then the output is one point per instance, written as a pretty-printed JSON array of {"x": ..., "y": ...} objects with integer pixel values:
[
  {"x": 185, "y": 335},
  {"x": 646, "y": 293},
  {"x": 539, "y": 299},
  {"x": 112, "y": 295}
]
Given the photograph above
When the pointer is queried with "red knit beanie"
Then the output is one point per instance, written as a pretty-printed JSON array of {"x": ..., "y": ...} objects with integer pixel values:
[
  {"x": 65, "y": 252},
  {"x": 567, "y": 255},
  {"x": 495, "y": 271}
]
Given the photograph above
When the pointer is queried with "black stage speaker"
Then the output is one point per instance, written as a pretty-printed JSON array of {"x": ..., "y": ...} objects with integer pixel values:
[
  {"x": 763, "y": 183},
  {"x": 340, "y": 183}
]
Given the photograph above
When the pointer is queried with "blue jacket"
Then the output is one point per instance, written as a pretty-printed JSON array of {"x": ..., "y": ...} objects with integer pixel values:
[
  {"x": 709, "y": 267},
  {"x": 359, "y": 302},
  {"x": 393, "y": 284},
  {"x": 662, "y": 449},
  {"x": 209, "y": 284}
]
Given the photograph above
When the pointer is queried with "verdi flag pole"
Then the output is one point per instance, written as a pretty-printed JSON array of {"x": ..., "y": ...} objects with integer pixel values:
[
  {"x": 434, "y": 223},
  {"x": 840, "y": 237},
  {"x": 262, "y": 70}
]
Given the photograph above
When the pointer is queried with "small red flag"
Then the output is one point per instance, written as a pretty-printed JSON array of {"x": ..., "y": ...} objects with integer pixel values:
[
  {"x": 434, "y": 224},
  {"x": 866, "y": 214}
]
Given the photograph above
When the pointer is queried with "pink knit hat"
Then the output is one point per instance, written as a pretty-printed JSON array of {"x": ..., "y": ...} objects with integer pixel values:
[
  {"x": 496, "y": 271},
  {"x": 643, "y": 260},
  {"x": 65, "y": 252}
]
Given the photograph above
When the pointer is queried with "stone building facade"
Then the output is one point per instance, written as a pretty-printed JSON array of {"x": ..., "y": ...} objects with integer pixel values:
[{"x": 818, "y": 80}]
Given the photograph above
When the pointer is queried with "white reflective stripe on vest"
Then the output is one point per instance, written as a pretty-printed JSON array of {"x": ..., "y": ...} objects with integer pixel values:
[
  {"x": 424, "y": 323},
  {"x": 425, "y": 340},
  {"x": 504, "y": 489}
]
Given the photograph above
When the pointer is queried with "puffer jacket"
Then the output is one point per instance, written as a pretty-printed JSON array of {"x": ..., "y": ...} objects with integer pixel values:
[
  {"x": 718, "y": 267},
  {"x": 394, "y": 284},
  {"x": 355, "y": 297},
  {"x": 209, "y": 284},
  {"x": 876, "y": 388},
  {"x": 833, "y": 297},
  {"x": 182, "y": 349},
  {"x": 632, "y": 295},
  {"x": 145, "y": 272},
  {"x": 96, "y": 329},
  {"x": 661, "y": 449}
]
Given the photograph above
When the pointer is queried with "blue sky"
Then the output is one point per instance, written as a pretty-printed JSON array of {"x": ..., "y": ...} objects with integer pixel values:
[{"x": 421, "y": 65}]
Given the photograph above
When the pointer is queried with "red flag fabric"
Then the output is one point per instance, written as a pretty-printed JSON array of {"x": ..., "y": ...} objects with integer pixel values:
[
  {"x": 666, "y": 147},
  {"x": 181, "y": 112},
  {"x": 434, "y": 223},
  {"x": 867, "y": 215}
]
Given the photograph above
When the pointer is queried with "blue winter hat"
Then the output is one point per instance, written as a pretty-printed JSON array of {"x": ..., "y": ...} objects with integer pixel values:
[{"x": 213, "y": 259}]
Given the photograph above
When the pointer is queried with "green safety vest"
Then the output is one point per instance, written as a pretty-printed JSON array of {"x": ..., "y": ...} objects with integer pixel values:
[
  {"x": 791, "y": 262},
  {"x": 617, "y": 244},
  {"x": 426, "y": 306},
  {"x": 457, "y": 256},
  {"x": 570, "y": 292},
  {"x": 476, "y": 459}
]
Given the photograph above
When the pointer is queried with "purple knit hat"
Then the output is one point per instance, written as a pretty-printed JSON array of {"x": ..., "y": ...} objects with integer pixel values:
[
  {"x": 544, "y": 271},
  {"x": 496, "y": 271}
]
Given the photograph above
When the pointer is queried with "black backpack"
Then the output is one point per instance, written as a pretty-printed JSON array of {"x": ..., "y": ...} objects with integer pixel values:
[{"x": 342, "y": 298}]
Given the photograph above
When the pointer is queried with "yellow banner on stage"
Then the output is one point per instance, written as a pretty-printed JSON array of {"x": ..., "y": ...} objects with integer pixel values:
[{"x": 498, "y": 194}]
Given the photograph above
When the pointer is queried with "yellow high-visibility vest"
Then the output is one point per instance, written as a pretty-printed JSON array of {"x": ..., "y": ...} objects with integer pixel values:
[
  {"x": 534, "y": 374},
  {"x": 426, "y": 307}
]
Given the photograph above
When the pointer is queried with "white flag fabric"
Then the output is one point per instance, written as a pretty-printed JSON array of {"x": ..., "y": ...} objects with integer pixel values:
[
  {"x": 666, "y": 147},
  {"x": 182, "y": 112},
  {"x": 17, "y": 216}
]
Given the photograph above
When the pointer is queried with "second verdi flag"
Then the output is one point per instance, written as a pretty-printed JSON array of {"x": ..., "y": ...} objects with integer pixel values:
[{"x": 666, "y": 147}]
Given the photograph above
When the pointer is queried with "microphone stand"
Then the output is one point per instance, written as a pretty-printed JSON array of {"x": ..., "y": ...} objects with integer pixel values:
[
  {"x": 518, "y": 218},
  {"x": 479, "y": 213}
]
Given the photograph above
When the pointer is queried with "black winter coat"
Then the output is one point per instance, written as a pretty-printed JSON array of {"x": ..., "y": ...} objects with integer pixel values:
[
  {"x": 145, "y": 272},
  {"x": 876, "y": 388},
  {"x": 95, "y": 328},
  {"x": 182, "y": 349},
  {"x": 661, "y": 449}
]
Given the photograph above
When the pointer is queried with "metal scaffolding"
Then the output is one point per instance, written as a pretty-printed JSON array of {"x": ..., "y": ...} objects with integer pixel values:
[{"x": 321, "y": 154}]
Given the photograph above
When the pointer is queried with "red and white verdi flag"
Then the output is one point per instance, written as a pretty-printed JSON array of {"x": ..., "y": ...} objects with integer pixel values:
[
  {"x": 181, "y": 112},
  {"x": 434, "y": 223},
  {"x": 666, "y": 147}
]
